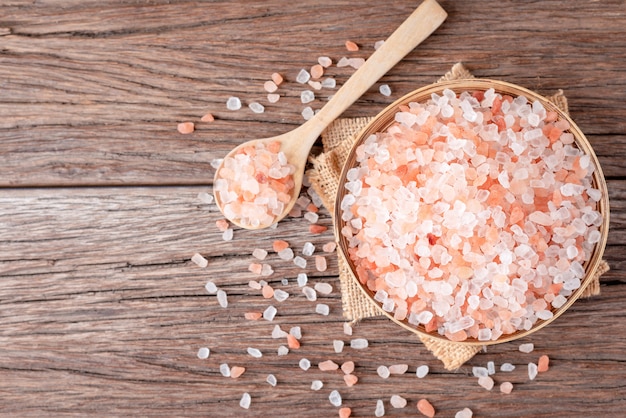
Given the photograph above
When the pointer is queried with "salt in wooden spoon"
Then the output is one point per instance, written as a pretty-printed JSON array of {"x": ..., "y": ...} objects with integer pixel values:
[{"x": 296, "y": 144}]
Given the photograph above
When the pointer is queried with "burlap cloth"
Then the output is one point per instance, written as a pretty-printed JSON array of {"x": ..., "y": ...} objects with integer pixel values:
[{"x": 337, "y": 141}]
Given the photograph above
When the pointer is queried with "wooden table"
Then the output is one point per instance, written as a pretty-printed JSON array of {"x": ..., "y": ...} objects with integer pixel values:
[{"x": 102, "y": 310}]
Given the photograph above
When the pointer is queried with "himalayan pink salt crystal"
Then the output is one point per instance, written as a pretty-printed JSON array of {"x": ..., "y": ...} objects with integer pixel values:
[
  {"x": 317, "y": 71},
  {"x": 259, "y": 254},
  {"x": 199, "y": 260},
  {"x": 426, "y": 408},
  {"x": 506, "y": 387},
  {"x": 398, "y": 401},
  {"x": 328, "y": 365},
  {"x": 320, "y": 263},
  {"x": 324, "y": 61},
  {"x": 270, "y": 86},
  {"x": 329, "y": 247},
  {"x": 208, "y": 117},
  {"x": 543, "y": 364},
  {"x": 277, "y": 79},
  {"x": 347, "y": 367},
  {"x": 323, "y": 288},
  {"x": 222, "y": 224},
  {"x": 273, "y": 97},
  {"x": 398, "y": 368},
  {"x": 186, "y": 127},
  {"x": 486, "y": 382},
  {"x": 350, "y": 379}
]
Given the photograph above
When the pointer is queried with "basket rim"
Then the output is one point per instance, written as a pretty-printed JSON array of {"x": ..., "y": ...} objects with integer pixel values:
[{"x": 375, "y": 125}]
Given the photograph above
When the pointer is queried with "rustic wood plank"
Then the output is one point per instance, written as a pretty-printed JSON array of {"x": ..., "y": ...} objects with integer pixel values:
[
  {"x": 103, "y": 311},
  {"x": 92, "y": 92}
]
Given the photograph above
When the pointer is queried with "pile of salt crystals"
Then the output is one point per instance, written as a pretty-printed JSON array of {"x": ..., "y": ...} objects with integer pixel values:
[
  {"x": 255, "y": 184},
  {"x": 473, "y": 214}
]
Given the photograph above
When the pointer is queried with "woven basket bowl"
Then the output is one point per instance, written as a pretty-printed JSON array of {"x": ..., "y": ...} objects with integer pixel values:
[{"x": 386, "y": 118}]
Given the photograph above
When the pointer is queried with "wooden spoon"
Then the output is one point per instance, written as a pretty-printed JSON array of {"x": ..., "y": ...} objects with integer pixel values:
[{"x": 297, "y": 144}]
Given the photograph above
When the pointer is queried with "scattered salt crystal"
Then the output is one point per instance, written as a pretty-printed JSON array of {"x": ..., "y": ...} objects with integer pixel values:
[
  {"x": 245, "y": 401},
  {"x": 335, "y": 398},
  {"x": 227, "y": 235},
  {"x": 398, "y": 368},
  {"x": 491, "y": 367},
  {"x": 544, "y": 314},
  {"x": 283, "y": 350},
  {"x": 343, "y": 62},
  {"x": 325, "y": 61},
  {"x": 385, "y": 90},
  {"x": 532, "y": 371},
  {"x": 284, "y": 282},
  {"x": 203, "y": 353},
  {"x": 356, "y": 63},
  {"x": 322, "y": 309},
  {"x": 296, "y": 332},
  {"x": 486, "y": 382},
  {"x": 259, "y": 254},
  {"x": 464, "y": 413},
  {"x": 304, "y": 364},
  {"x": 225, "y": 370},
  {"x": 269, "y": 313},
  {"x": 506, "y": 387},
  {"x": 309, "y": 293},
  {"x": 526, "y": 348},
  {"x": 378, "y": 44},
  {"x": 480, "y": 371},
  {"x": 256, "y": 107},
  {"x": 507, "y": 367},
  {"x": 206, "y": 198},
  {"x": 303, "y": 76},
  {"x": 308, "y": 249},
  {"x": 328, "y": 365},
  {"x": 199, "y": 260},
  {"x": 329, "y": 247},
  {"x": 299, "y": 261},
  {"x": 347, "y": 328},
  {"x": 338, "y": 346},
  {"x": 216, "y": 162},
  {"x": 278, "y": 333},
  {"x": 320, "y": 263},
  {"x": 329, "y": 83},
  {"x": 302, "y": 279},
  {"x": 211, "y": 287},
  {"x": 307, "y": 96},
  {"x": 222, "y": 298},
  {"x": 316, "y": 85},
  {"x": 359, "y": 343},
  {"x": 255, "y": 285},
  {"x": 271, "y": 379},
  {"x": 280, "y": 295},
  {"x": 422, "y": 371},
  {"x": 266, "y": 270},
  {"x": 397, "y": 401},
  {"x": 380, "y": 408},
  {"x": 233, "y": 103},
  {"x": 255, "y": 352},
  {"x": 317, "y": 385},
  {"x": 307, "y": 113},
  {"x": 286, "y": 254},
  {"x": 323, "y": 288},
  {"x": 270, "y": 86},
  {"x": 312, "y": 217},
  {"x": 383, "y": 371}
]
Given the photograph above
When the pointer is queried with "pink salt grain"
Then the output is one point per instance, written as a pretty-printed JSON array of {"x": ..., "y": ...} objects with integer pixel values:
[
  {"x": 352, "y": 46},
  {"x": 277, "y": 79},
  {"x": 186, "y": 127},
  {"x": 350, "y": 379},
  {"x": 320, "y": 263},
  {"x": 270, "y": 86},
  {"x": 506, "y": 387},
  {"x": 222, "y": 224},
  {"x": 317, "y": 71},
  {"x": 329, "y": 247},
  {"x": 347, "y": 367},
  {"x": 207, "y": 118},
  {"x": 328, "y": 365}
]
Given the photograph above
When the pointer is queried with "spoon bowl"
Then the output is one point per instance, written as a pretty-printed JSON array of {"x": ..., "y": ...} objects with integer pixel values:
[{"x": 296, "y": 144}]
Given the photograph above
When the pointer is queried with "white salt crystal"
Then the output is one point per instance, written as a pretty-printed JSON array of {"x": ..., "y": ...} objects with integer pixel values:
[
  {"x": 266, "y": 270},
  {"x": 296, "y": 332},
  {"x": 307, "y": 96},
  {"x": 507, "y": 367},
  {"x": 464, "y": 413},
  {"x": 280, "y": 295},
  {"x": 383, "y": 371},
  {"x": 283, "y": 350},
  {"x": 385, "y": 90},
  {"x": 378, "y": 44},
  {"x": 269, "y": 313},
  {"x": 299, "y": 261},
  {"x": 256, "y": 107},
  {"x": 356, "y": 63},
  {"x": 317, "y": 385},
  {"x": 347, "y": 328},
  {"x": 532, "y": 371},
  {"x": 486, "y": 382},
  {"x": 225, "y": 370},
  {"x": 335, "y": 398},
  {"x": 308, "y": 249},
  {"x": 259, "y": 253},
  {"x": 302, "y": 279},
  {"x": 397, "y": 401},
  {"x": 316, "y": 85},
  {"x": 559, "y": 301},
  {"x": 227, "y": 235},
  {"x": 304, "y": 364},
  {"x": 222, "y": 298},
  {"x": 343, "y": 62},
  {"x": 278, "y": 333},
  {"x": 199, "y": 260},
  {"x": 307, "y": 113},
  {"x": 491, "y": 367},
  {"x": 329, "y": 83},
  {"x": 216, "y": 162},
  {"x": 322, "y": 309},
  {"x": 284, "y": 282},
  {"x": 544, "y": 314},
  {"x": 255, "y": 352},
  {"x": 422, "y": 371},
  {"x": 526, "y": 348},
  {"x": 245, "y": 401},
  {"x": 359, "y": 343},
  {"x": 324, "y": 61},
  {"x": 303, "y": 76},
  {"x": 273, "y": 97},
  {"x": 206, "y": 197},
  {"x": 338, "y": 346},
  {"x": 210, "y": 287},
  {"x": 309, "y": 293},
  {"x": 312, "y": 217},
  {"x": 233, "y": 103},
  {"x": 380, "y": 408},
  {"x": 203, "y": 353},
  {"x": 480, "y": 371},
  {"x": 323, "y": 288},
  {"x": 286, "y": 254},
  {"x": 271, "y": 379}
]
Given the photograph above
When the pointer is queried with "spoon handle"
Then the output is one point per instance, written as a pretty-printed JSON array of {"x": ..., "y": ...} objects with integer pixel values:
[{"x": 417, "y": 27}]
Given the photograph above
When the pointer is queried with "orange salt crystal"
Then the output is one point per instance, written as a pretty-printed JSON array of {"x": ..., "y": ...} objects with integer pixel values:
[
  {"x": 255, "y": 268},
  {"x": 273, "y": 146},
  {"x": 292, "y": 342},
  {"x": 207, "y": 118},
  {"x": 312, "y": 208},
  {"x": 517, "y": 214},
  {"x": 350, "y": 379},
  {"x": 345, "y": 412},
  {"x": 222, "y": 224},
  {"x": 277, "y": 79},
  {"x": 329, "y": 247},
  {"x": 267, "y": 291},
  {"x": 253, "y": 316},
  {"x": 543, "y": 364},
  {"x": 236, "y": 371},
  {"x": 270, "y": 86},
  {"x": 317, "y": 71},
  {"x": 317, "y": 229},
  {"x": 351, "y": 46},
  {"x": 279, "y": 245},
  {"x": 186, "y": 127},
  {"x": 328, "y": 365},
  {"x": 426, "y": 408},
  {"x": 347, "y": 367}
]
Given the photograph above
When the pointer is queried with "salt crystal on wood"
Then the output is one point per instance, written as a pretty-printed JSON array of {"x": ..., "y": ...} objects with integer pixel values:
[
  {"x": 398, "y": 401},
  {"x": 203, "y": 353},
  {"x": 422, "y": 371},
  {"x": 335, "y": 398},
  {"x": 303, "y": 76},
  {"x": 271, "y": 379},
  {"x": 280, "y": 295},
  {"x": 486, "y": 382},
  {"x": 299, "y": 261},
  {"x": 320, "y": 263},
  {"x": 302, "y": 279},
  {"x": 464, "y": 413},
  {"x": 283, "y": 351},
  {"x": 398, "y": 368},
  {"x": 225, "y": 370},
  {"x": 507, "y": 367},
  {"x": 323, "y": 288},
  {"x": 254, "y": 352},
  {"x": 256, "y": 107},
  {"x": 246, "y": 400},
  {"x": 338, "y": 346},
  {"x": 222, "y": 298},
  {"x": 199, "y": 260},
  {"x": 233, "y": 103},
  {"x": 526, "y": 348},
  {"x": 259, "y": 254},
  {"x": 322, "y": 309},
  {"x": 273, "y": 97},
  {"x": 317, "y": 385},
  {"x": 532, "y": 371},
  {"x": 325, "y": 61},
  {"x": 304, "y": 364},
  {"x": 383, "y": 371},
  {"x": 211, "y": 287},
  {"x": 506, "y": 387},
  {"x": 385, "y": 90},
  {"x": 269, "y": 313},
  {"x": 309, "y": 293},
  {"x": 380, "y": 409}
]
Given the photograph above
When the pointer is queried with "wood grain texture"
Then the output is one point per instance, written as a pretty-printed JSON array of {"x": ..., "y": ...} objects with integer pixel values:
[{"x": 102, "y": 310}]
